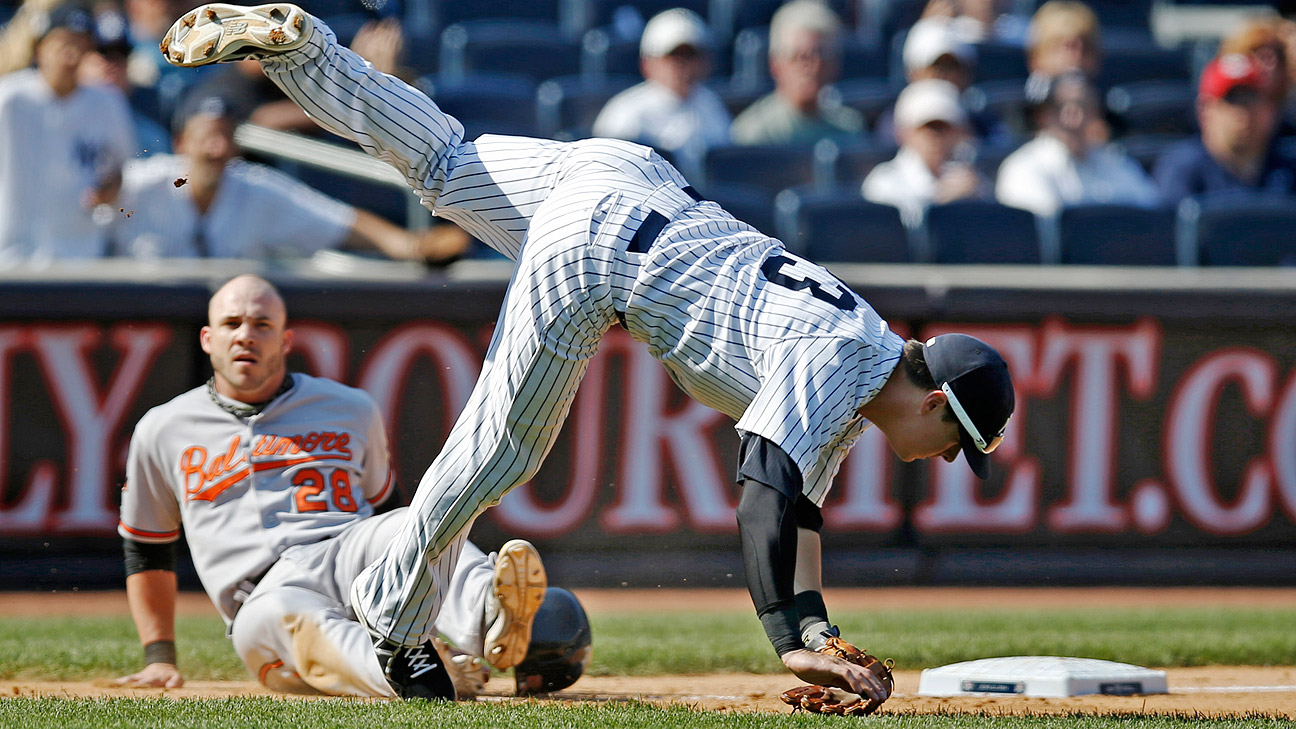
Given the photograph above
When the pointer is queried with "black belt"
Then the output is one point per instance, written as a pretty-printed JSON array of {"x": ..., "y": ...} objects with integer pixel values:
[{"x": 653, "y": 224}]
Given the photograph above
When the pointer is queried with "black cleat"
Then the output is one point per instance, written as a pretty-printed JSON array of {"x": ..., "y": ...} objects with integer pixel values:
[{"x": 417, "y": 672}]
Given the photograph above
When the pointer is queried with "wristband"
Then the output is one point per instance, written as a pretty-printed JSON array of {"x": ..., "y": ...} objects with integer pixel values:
[{"x": 160, "y": 651}]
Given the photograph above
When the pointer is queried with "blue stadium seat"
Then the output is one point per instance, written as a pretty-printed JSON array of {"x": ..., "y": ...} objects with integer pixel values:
[
  {"x": 1117, "y": 235},
  {"x": 1000, "y": 62},
  {"x": 772, "y": 168},
  {"x": 975, "y": 231},
  {"x": 738, "y": 96},
  {"x": 748, "y": 203},
  {"x": 603, "y": 53},
  {"x": 598, "y": 13},
  {"x": 486, "y": 103},
  {"x": 1154, "y": 107},
  {"x": 1238, "y": 230},
  {"x": 841, "y": 227},
  {"x": 1147, "y": 148},
  {"x": 567, "y": 106},
  {"x": 869, "y": 96},
  {"x": 528, "y": 48},
  {"x": 449, "y": 12},
  {"x": 1147, "y": 62},
  {"x": 853, "y": 163}
]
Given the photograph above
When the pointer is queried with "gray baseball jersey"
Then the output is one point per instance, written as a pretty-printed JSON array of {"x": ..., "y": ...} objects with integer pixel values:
[
  {"x": 602, "y": 231},
  {"x": 304, "y": 469}
]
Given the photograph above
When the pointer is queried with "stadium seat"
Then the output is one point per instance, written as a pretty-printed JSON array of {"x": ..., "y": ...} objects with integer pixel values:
[
  {"x": 1154, "y": 107},
  {"x": 840, "y": 227},
  {"x": 869, "y": 96},
  {"x": 1116, "y": 235},
  {"x": 567, "y": 106},
  {"x": 528, "y": 48},
  {"x": 1000, "y": 62},
  {"x": 1004, "y": 99},
  {"x": 737, "y": 96},
  {"x": 1238, "y": 230},
  {"x": 1146, "y": 149},
  {"x": 852, "y": 163},
  {"x": 587, "y": 14},
  {"x": 449, "y": 12},
  {"x": 975, "y": 231},
  {"x": 486, "y": 103},
  {"x": 603, "y": 53},
  {"x": 750, "y": 204},
  {"x": 772, "y": 167},
  {"x": 1147, "y": 62}
]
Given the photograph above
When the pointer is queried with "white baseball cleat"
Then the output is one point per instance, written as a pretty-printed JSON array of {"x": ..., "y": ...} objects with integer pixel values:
[
  {"x": 511, "y": 607},
  {"x": 218, "y": 33}
]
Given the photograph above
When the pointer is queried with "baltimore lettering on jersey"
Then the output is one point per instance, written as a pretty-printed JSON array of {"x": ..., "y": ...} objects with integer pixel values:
[{"x": 205, "y": 479}]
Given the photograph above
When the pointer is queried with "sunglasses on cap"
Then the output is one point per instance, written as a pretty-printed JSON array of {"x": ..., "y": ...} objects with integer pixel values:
[{"x": 983, "y": 444}]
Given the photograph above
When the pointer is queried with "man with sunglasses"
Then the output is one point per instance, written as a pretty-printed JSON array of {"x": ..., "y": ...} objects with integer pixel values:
[
  {"x": 1236, "y": 151},
  {"x": 605, "y": 232}
]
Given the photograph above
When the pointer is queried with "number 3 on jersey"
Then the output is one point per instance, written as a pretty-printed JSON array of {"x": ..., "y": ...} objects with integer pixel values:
[
  {"x": 799, "y": 274},
  {"x": 310, "y": 483}
]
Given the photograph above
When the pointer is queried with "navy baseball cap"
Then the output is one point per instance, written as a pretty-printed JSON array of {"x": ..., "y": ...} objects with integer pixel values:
[
  {"x": 979, "y": 389},
  {"x": 70, "y": 16}
]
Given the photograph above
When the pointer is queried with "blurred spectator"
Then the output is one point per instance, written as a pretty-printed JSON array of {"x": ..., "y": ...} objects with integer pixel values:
[
  {"x": 108, "y": 65},
  {"x": 981, "y": 21},
  {"x": 1271, "y": 42},
  {"x": 1064, "y": 36},
  {"x": 804, "y": 57},
  {"x": 1061, "y": 166},
  {"x": 18, "y": 36},
  {"x": 146, "y": 21},
  {"x": 1238, "y": 116},
  {"x": 934, "y": 50},
  {"x": 62, "y": 146},
  {"x": 671, "y": 110},
  {"x": 203, "y": 202},
  {"x": 933, "y": 164}
]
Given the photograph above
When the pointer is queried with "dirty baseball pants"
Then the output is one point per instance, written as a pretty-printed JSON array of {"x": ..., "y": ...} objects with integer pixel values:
[
  {"x": 297, "y": 634},
  {"x": 565, "y": 213}
]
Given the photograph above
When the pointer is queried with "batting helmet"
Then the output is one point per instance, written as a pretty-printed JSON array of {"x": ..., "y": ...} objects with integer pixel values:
[{"x": 560, "y": 645}]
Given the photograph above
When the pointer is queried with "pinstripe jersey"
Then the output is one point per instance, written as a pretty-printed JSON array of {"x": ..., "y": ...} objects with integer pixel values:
[
  {"x": 743, "y": 326},
  {"x": 308, "y": 466}
]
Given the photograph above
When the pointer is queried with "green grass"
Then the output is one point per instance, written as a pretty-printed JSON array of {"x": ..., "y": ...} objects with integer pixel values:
[
  {"x": 664, "y": 642},
  {"x": 249, "y": 713},
  {"x": 650, "y": 643}
]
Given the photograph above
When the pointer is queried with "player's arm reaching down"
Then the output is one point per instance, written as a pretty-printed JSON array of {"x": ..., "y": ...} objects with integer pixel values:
[
  {"x": 779, "y": 529},
  {"x": 151, "y": 592}
]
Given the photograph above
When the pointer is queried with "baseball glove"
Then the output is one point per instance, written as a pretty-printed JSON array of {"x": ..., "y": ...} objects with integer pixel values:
[{"x": 830, "y": 700}]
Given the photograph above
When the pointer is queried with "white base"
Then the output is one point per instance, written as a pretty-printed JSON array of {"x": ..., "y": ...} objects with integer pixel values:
[{"x": 1042, "y": 676}]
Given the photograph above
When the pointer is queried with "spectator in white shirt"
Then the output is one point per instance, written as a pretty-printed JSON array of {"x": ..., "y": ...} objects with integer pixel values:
[
  {"x": 203, "y": 202},
  {"x": 671, "y": 110},
  {"x": 62, "y": 145},
  {"x": 1061, "y": 167},
  {"x": 932, "y": 164}
]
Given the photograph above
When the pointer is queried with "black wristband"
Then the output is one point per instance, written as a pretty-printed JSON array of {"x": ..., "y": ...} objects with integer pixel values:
[
  {"x": 160, "y": 651},
  {"x": 781, "y": 627},
  {"x": 810, "y": 606}
]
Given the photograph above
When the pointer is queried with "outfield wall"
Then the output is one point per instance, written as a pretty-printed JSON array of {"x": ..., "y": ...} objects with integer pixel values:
[{"x": 1154, "y": 440}]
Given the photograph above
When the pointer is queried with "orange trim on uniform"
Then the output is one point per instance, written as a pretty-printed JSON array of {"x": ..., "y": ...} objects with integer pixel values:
[
  {"x": 267, "y": 668},
  {"x": 386, "y": 489},
  {"x": 271, "y": 465},
  {"x": 147, "y": 534}
]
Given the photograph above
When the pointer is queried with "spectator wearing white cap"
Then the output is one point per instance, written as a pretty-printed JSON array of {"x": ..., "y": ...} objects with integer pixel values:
[
  {"x": 804, "y": 58},
  {"x": 932, "y": 165},
  {"x": 671, "y": 109},
  {"x": 1062, "y": 166},
  {"x": 934, "y": 49}
]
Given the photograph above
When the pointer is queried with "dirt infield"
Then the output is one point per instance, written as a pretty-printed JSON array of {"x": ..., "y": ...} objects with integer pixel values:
[{"x": 1212, "y": 691}]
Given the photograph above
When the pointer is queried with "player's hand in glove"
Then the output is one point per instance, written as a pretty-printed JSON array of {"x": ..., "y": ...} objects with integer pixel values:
[
  {"x": 836, "y": 669},
  {"x": 154, "y": 675}
]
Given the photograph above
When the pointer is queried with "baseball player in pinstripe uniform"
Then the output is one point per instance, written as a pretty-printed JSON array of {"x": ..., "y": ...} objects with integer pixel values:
[
  {"x": 603, "y": 232},
  {"x": 275, "y": 477}
]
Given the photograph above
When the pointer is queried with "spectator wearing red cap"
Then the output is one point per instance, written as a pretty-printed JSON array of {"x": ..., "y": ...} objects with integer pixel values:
[{"x": 1235, "y": 153}]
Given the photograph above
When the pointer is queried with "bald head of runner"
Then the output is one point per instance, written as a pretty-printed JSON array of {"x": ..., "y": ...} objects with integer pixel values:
[{"x": 247, "y": 339}]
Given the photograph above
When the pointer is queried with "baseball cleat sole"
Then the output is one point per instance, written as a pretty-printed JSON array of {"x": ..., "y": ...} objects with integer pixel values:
[
  {"x": 520, "y": 585},
  {"x": 219, "y": 33}
]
